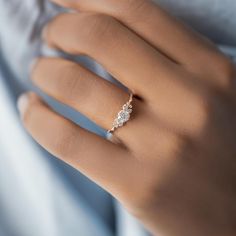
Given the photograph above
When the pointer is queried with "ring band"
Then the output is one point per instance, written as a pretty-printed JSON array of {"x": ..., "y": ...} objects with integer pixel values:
[{"x": 123, "y": 115}]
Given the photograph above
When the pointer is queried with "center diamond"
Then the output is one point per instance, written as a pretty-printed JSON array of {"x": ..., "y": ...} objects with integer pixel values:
[{"x": 123, "y": 116}]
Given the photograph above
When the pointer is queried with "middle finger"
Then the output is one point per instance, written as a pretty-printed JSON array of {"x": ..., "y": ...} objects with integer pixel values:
[{"x": 125, "y": 55}]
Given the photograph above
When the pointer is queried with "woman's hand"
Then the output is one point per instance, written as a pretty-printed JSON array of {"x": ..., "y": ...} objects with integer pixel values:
[{"x": 173, "y": 165}]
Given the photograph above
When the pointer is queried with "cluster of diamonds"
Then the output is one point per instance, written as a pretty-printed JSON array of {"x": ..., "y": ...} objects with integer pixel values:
[{"x": 123, "y": 116}]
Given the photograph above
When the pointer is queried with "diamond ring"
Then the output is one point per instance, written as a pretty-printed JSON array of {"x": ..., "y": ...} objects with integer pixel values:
[{"x": 123, "y": 116}]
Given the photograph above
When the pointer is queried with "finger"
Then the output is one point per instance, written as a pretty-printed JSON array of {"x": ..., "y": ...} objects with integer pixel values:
[
  {"x": 100, "y": 100},
  {"x": 126, "y": 56},
  {"x": 81, "y": 149},
  {"x": 157, "y": 80},
  {"x": 81, "y": 89},
  {"x": 164, "y": 32}
]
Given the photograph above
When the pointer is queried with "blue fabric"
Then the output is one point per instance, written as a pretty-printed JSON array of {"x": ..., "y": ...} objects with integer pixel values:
[{"x": 40, "y": 195}]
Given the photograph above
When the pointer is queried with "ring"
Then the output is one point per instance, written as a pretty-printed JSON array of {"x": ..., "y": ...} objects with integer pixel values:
[{"x": 123, "y": 116}]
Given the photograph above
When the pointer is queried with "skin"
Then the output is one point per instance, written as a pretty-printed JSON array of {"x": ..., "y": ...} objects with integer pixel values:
[{"x": 173, "y": 164}]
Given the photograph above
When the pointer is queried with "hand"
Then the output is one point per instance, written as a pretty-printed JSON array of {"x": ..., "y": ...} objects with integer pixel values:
[{"x": 174, "y": 164}]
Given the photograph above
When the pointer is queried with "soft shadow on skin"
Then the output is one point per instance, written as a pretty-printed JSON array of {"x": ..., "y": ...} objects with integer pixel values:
[{"x": 197, "y": 195}]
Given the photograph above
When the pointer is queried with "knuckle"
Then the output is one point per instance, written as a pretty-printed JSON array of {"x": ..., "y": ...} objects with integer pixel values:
[
  {"x": 63, "y": 143},
  {"x": 97, "y": 29},
  {"x": 98, "y": 22},
  {"x": 86, "y": 31},
  {"x": 73, "y": 84},
  {"x": 67, "y": 79},
  {"x": 67, "y": 84},
  {"x": 136, "y": 5}
]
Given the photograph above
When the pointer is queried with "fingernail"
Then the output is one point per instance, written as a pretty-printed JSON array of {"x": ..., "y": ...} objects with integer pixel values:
[
  {"x": 33, "y": 64},
  {"x": 22, "y": 103}
]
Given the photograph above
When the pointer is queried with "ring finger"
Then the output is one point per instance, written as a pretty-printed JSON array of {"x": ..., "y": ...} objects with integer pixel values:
[{"x": 80, "y": 88}]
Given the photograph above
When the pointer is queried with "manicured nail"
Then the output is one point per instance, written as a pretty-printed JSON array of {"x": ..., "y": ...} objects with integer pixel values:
[{"x": 22, "y": 103}]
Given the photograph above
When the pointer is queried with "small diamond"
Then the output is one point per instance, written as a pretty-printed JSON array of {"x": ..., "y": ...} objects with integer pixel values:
[{"x": 123, "y": 116}]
